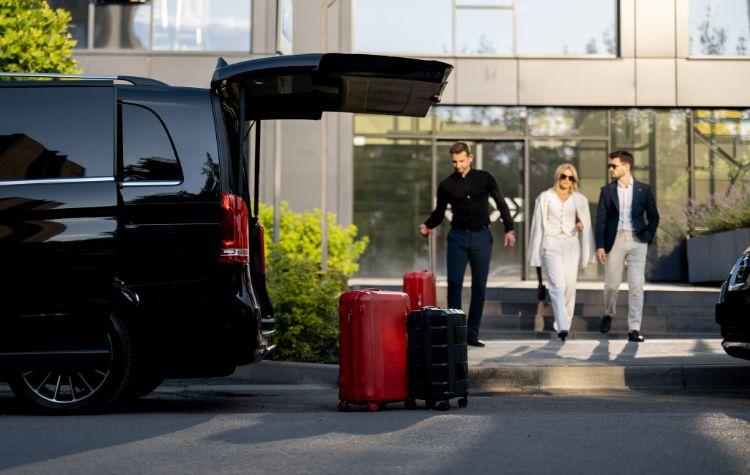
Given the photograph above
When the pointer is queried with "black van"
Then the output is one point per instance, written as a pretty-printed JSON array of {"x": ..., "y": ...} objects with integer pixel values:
[{"x": 130, "y": 249}]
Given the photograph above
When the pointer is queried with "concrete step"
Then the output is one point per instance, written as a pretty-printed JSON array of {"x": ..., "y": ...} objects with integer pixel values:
[
  {"x": 668, "y": 326},
  {"x": 668, "y": 310}
]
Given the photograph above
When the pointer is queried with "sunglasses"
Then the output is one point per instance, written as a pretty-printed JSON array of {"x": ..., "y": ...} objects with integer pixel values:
[
  {"x": 568, "y": 177},
  {"x": 614, "y": 165}
]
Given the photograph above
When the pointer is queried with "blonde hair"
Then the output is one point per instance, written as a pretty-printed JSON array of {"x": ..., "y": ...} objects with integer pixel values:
[{"x": 560, "y": 170}]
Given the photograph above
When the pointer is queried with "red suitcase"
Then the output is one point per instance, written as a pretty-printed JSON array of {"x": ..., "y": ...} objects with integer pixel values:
[
  {"x": 420, "y": 286},
  {"x": 372, "y": 348}
]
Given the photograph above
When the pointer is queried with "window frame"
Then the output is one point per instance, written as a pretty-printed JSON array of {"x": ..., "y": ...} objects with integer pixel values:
[
  {"x": 711, "y": 57},
  {"x": 514, "y": 7},
  {"x": 89, "y": 48},
  {"x": 120, "y": 172}
]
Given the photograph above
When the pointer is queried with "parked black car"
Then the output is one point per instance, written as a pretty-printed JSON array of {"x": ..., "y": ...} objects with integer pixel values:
[
  {"x": 733, "y": 309},
  {"x": 130, "y": 246}
]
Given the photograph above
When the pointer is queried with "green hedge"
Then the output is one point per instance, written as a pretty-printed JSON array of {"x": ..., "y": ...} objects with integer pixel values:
[
  {"x": 305, "y": 300},
  {"x": 34, "y": 38}
]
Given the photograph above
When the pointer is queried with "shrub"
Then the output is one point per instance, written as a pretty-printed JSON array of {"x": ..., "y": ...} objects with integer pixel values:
[
  {"x": 305, "y": 300},
  {"x": 34, "y": 38},
  {"x": 721, "y": 212}
]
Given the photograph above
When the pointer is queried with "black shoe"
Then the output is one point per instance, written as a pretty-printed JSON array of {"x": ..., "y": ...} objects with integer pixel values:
[
  {"x": 474, "y": 340},
  {"x": 563, "y": 335},
  {"x": 635, "y": 336},
  {"x": 605, "y": 324}
]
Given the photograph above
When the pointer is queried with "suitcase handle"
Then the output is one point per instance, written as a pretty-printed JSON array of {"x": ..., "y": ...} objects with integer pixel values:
[{"x": 431, "y": 251}]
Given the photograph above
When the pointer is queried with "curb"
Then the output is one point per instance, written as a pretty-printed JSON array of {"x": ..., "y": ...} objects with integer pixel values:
[
  {"x": 503, "y": 378},
  {"x": 688, "y": 377},
  {"x": 287, "y": 372}
]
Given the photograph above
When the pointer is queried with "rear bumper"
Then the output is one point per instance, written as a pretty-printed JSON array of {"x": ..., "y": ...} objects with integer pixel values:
[{"x": 733, "y": 315}]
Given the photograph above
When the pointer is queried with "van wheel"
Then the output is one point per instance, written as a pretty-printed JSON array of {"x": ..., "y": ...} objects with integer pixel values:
[{"x": 82, "y": 387}]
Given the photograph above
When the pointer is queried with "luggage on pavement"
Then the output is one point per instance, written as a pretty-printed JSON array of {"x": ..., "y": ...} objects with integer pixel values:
[
  {"x": 437, "y": 357},
  {"x": 372, "y": 348},
  {"x": 420, "y": 285}
]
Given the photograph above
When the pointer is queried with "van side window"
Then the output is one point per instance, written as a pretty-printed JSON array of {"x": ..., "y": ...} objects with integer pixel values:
[
  {"x": 147, "y": 151},
  {"x": 56, "y": 132}
]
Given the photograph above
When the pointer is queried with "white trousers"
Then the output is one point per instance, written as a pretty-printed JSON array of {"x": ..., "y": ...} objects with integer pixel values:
[
  {"x": 626, "y": 248},
  {"x": 560, "y": 255}
]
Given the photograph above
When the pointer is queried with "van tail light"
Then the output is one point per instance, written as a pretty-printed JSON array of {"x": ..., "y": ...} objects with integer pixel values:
[{"x": 234, "y": 230}]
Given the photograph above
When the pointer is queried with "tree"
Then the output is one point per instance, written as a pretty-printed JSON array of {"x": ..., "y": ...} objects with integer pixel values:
[{"x": 34, "y": 38}]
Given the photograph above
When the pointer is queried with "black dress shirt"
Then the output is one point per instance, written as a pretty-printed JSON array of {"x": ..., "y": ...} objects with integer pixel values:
[{"x": 468, "y": 197}]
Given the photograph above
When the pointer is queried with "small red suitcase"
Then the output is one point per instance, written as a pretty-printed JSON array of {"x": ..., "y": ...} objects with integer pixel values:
[
  {"x": 372, "y": 348},
  {"x": 420, "y": 286}
]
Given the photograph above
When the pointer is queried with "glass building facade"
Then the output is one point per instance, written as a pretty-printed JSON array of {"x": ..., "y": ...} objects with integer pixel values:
[
  {"x": 682, "y": 153},
  {"x": 159, "y": 25}
]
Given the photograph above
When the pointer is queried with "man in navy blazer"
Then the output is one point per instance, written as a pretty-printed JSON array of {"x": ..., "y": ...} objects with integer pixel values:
[{"x": 623, "y": 235}]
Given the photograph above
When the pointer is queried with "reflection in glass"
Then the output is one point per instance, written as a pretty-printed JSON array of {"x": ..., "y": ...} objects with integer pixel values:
[
  {"x": 392, "y": 188},
  {"x": 387, "y": 124},
  {"x": 501, "y": 121},
  {"x": 719, "y": 28},
  {"x": 722, "y": 151},
  {"x": 397, "y": 26},
  {"x": 202, "y": 25},
  {"x": 572, "y": 27},
  {"x": 484, "y": 31},
  {"x": 556, "y": 122},
  {"x": 22, "y": 157},
  {"x": 147, "y": 153},
  {"x": 79, "y": 21},
  {"x": 122, "y": 26},
  {"x": 51, "y": 132},
  {"x": 659, "y": 144},
  {"x": 590, "y": 159}
]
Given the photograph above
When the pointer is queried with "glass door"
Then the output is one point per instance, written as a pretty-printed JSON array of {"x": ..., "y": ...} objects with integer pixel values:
[{"x": 504, "y": 159}]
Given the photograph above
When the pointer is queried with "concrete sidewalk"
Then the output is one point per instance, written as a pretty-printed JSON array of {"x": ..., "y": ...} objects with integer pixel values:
[{"x": 505, "y": 365}]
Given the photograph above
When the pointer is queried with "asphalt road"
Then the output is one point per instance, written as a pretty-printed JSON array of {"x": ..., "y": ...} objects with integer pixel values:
[{"x": 297, "y": 429}]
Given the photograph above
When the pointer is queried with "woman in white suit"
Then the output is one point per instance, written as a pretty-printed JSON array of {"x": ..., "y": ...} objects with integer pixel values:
[{"x": 562, "y": 242}]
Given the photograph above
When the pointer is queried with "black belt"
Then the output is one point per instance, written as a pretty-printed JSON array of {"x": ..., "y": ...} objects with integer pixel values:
[{"x": 471, "y": 228}]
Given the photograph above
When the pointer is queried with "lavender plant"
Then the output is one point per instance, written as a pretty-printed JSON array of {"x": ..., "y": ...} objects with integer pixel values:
[{"x": 723, "y": 211}]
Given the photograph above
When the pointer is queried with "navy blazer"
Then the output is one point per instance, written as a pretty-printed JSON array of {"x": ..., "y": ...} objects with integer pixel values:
[{"x": 608, "y": 215}]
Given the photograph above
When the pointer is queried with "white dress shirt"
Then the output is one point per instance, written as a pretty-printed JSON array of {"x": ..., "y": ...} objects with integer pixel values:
[
  {"x": 561, "y": 217},
  {"x": 625, "y": 196}
]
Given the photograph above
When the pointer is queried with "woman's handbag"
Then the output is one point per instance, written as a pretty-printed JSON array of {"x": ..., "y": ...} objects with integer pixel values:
[{"x": 541, "y": 290}]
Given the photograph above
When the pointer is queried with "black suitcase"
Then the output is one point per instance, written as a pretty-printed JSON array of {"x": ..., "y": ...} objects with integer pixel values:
[{"x": 437, "y": 357}]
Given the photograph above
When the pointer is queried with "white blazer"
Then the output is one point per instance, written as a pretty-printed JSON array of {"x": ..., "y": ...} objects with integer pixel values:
[{"x": 539, "y": 223}]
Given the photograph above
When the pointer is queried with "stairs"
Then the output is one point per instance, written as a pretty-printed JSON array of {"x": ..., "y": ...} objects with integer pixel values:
[{"x": 510, "y": 311}]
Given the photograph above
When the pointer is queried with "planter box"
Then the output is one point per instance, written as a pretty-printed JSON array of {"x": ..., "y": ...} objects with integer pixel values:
[{"x": 710, "y": 258}]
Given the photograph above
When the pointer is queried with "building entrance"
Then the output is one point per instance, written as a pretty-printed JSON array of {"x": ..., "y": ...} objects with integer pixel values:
[{"x": 505, "y": 160}]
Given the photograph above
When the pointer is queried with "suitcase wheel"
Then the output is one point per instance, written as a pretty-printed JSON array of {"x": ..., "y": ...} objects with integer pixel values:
[
  {"x": 443, "y": 406},
  {"x": 343, "y": 406},
  {"x": 429, "y": 404},
  {"x": 373, "y": 406},
  {"x": 410, "y": 404},
  {"x": 463, "y": 402}
]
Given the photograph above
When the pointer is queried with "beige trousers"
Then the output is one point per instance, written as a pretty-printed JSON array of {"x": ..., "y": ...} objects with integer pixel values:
[{"x": 626, "y": 249}]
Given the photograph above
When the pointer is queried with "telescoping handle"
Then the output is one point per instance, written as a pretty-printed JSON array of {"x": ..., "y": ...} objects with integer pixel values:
[{"x": 431, "y": 251}]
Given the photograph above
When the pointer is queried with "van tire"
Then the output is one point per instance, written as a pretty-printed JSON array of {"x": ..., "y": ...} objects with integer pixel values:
[{"x": 49, "y": 391}]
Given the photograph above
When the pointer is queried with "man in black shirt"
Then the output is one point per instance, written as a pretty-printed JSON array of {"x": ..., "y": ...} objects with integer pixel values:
[{"x": 470, "y": 239}]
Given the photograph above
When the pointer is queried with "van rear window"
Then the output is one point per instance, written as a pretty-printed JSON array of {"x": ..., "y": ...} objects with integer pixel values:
[
  {"x": 147, "y": 151},
  {"x": 56, "y": 132}
]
